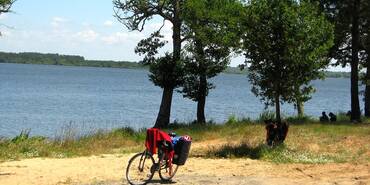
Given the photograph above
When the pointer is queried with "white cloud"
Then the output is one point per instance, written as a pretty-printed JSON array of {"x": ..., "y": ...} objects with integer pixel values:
[
  {"x": 108, "y": 23},
  {"x": 111, "y": 39},
  {"x": 3, "y": 16},
  {"x": 122, "y": 37},
  {"x": 58, "y": 21},
  {"x": 6, "y": 33},
  {"x": 88, "y": 35}
]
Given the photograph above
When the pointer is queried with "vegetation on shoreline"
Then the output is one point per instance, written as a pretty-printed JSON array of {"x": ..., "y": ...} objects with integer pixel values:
[
  {"x": 71, "y": 60},
  {"x": 64, "y": 60},
  {"x": 307, "y": 142}
]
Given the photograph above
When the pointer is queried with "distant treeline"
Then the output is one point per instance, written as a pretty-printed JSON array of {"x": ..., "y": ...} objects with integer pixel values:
[
  {"x": 328, "y": 74},
  {"x": 74, "y": 60},
  {"x": 65, "y": 60}
]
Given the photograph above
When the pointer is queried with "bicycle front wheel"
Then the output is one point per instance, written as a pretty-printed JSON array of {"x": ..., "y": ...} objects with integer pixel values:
[
  {"x": 140, "y": 169},
  {"x": 166, "y": 170}
]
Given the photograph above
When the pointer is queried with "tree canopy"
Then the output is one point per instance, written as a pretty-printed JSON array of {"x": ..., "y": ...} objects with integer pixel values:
[
  {"x": 5, "y": 5},
  {"x": 285, "y": 46},
  {"x": 212, "y": 31}
]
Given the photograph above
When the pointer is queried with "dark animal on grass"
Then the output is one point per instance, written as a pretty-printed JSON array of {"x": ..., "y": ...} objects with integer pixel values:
[
  {"x": 276, "y": 132},
  {"x": 333, "y": 117}
]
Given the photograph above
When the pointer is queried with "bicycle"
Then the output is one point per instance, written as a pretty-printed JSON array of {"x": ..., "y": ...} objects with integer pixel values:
[{"x": 142, "y": 166}]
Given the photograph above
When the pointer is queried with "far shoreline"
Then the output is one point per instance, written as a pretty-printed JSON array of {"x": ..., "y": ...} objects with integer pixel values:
[{"x": 80, "y": 61}]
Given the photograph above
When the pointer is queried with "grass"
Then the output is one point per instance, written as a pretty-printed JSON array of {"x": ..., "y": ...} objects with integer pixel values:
[
  {"x": 308, "y": 142},
  {"x": 118, "y": 140},
  {"x": 280, "y": 154}
]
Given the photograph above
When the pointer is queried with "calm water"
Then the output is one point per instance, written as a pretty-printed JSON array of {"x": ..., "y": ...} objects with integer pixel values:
[{"x": 46, "y": 98}]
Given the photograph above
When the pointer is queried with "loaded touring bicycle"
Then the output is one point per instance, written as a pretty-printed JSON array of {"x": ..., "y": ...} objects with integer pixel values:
[{"x": 170, "y": 152}]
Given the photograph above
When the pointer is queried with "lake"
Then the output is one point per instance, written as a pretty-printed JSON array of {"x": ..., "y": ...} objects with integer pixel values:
[{"x": 46, "y": 98}]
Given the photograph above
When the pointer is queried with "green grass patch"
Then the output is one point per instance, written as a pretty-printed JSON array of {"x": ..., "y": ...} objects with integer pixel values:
[
  {"x": 100, "y": 142},
  {"x": 305, "y": 143}
]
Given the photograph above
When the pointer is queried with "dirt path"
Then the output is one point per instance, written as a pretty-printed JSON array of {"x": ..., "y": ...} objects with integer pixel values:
[{"x": 109, "y": 169}]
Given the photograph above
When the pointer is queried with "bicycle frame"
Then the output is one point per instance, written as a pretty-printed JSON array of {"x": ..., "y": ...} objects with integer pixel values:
[{"x": 156, "y": 162}]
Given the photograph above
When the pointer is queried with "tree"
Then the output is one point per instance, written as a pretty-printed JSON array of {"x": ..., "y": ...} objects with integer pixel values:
[
  {"x": 302, "y": 94},
  {"x": 134, "y": 14},
  {"x": 349, "y": 18},
  {"x": 367, "y": 76},
  {"x": 365, "y": 44},
  {"x": 285, "y": 45},
  {"x": 5, "y": 5},
  {"x": 211, "y": 34}
]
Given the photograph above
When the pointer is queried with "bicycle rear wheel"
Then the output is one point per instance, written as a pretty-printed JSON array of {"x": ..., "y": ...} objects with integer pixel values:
[
  {"x": 166, "y": 170},
  {"x": 140, "y": 169}
]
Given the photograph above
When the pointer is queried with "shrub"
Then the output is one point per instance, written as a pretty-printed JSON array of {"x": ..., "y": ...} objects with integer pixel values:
[
  {"x": 266, "y": 115},
  {"x": 24, "y": 135}
]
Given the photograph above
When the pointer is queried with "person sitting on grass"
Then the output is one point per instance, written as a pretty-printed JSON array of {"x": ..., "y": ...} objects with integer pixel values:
[
  {"x": 333, "y": 117},
  {"x": 324, "y": 117}
]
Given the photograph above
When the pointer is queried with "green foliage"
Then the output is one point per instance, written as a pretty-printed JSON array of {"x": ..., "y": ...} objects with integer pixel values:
[
  {"x": 341, "y": 14},
  {"x": 211, "y": 32},
  {"x": 343, "y": 117},
  {"x": 231, "y": 120},
  {"x": 301, "y": 119},
  {"x": 285, "y": 45},
  {"x": 5, "y": 5},
  {"x": 165, "y": 72},
  {"x": 24, "y": 135},
  {"x": 266, "y": 115}
]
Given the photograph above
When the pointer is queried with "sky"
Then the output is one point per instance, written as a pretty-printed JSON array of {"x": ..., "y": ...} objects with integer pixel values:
[{"x": 77, "y": 27}]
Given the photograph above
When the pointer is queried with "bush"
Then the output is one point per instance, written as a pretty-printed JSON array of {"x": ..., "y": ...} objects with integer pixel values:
[
  {"x": 301, "y": 119},
  {"x": 231, "y": 120},
  {"x": 24, "y": 135},
  {"x": 342, "y": 117},
  {"x": 266, "y": 115}
]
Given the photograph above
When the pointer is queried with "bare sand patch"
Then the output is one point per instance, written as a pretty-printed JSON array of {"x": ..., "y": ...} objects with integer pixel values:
[{"x": 109, "y": 169}]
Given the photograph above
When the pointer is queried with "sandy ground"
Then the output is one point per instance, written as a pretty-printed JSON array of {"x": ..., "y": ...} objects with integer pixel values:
[{"x": 109, "y": 170}]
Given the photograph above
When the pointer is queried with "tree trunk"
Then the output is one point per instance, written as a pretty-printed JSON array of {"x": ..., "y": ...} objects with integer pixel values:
[
  {"x": 202, "y": 89},
  {"x": 367, "y": 87},
  {"x": 367, "y": 90},
  {"x": 355, "y": 105},
  {"x": 202, "y": 99},
  {"x": 367, "y": 78},
  {"x": 300, "y": 108},
  {"x": 277, "y": 108},
  {"x": 163, "y": 118}
]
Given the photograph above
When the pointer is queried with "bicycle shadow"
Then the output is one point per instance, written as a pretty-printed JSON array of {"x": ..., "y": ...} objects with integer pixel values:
[{"x": 158, "y": 181}]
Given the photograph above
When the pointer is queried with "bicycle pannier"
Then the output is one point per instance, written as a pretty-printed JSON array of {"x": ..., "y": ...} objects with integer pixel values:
[{"x": 182, "y": 149}]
